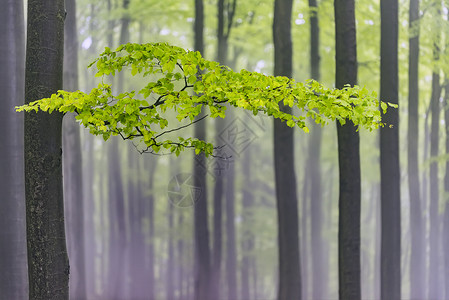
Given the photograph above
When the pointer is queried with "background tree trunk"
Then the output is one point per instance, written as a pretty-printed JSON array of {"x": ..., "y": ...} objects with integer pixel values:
[
  {"x": 417, "y": 258},
  {"x": 390, "y": 282},
  {"x": 285, "y": 178},
  {"x": 48, "y": 266},
  {"x": 348, "y": 157},
  {"x": 202, "y": 248},
  {"x": 446, "y": 189},
  {"x": 320, "y": 278},
  {"x": 72, "y": 164},
  {"x": 13, "y": 277},
  {"x": 434, "y": 216}
]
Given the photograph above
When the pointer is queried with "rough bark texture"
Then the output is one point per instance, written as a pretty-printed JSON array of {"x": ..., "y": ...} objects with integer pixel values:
[
  {"x": 13, "y": 277},
  {"x": 287, "y": 203},
  {"x": 72, "y": 165},
  {"x": 348, "y": 158},
  {"x": 389, "y": 156},
  {"x": 48, "y": 266},
  {"x": 201, "y": 230},
  {"x": 417, "y": 259}
]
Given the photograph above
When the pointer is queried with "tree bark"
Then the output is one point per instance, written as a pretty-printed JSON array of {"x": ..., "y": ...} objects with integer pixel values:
[
  {"x": 13, "y": 277},
  {"x": 348, "y": 157},
  {"x": 48, "y": 266},
  {"x": 389, "y": 156},
  {"x": 285, "y": 178}
]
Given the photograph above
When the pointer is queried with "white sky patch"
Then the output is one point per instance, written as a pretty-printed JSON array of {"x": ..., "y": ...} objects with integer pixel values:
[
  {"x": 260, "y": 64},
  {"x": 369, "y": 22},
  {"x": 165, "y": 31},
  {"x": 300, "y": 20},
  {"x": 87, "y": 43},
  {"x": 190, "y": 20}
]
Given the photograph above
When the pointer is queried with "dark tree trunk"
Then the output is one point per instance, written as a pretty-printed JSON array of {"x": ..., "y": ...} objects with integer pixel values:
[
  {"x": 48, "y": 266},
  {"x": 201, "y": 230},
  {"x": 72, "y": 165},
  {"x": 417, "y": 259},
  {"x": 13, "y": 277},
  {"x": 285, "y": 178},
  {"x": 320, "y": 278},
  {"x": 348, "y": 157},
  {"x": 390, "y": 282}
]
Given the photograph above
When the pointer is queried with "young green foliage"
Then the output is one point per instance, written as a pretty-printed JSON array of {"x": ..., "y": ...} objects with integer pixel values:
[{"x": 183, "y": 82}]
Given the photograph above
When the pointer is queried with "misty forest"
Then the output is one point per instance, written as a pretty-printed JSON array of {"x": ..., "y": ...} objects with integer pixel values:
[{"x": 224, "y": 149}]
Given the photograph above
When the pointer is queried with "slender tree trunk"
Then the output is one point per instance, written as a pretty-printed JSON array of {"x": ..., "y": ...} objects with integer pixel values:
[
  {"x": 218, "y": 172},
  {"x": 201, "y": 230},
  {"x": 446, "y": 190},
  {"x": 150, "y": 281},
  {"x": 48, "y": 266},
  {"x": 305, "y": 230},
  {"x": 117, "y": 216},
  {"x": 117, "y": 229},
  {"x": 89, "y": 167},
  {"x": 72, "y": 164},
  {"x": 137, "y": 275},
  {"x": 247, "y": 241},
  {"x": 417, "y": 259},
  {"x": 348, "y": 157},
  {"x": 434, "y": 218},
  {"x": 389, "y": 156},
  {"x": 231, "y": 255},
  {"x": 319, "y": 280},
  {"x": 170, "y": 294},
  {"x": 285, "y": 178},
  {"x": 13, "y": 277}
]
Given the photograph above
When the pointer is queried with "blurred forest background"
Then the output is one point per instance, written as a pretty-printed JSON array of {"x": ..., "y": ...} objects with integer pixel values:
[{"x": 130, "y": 217}]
